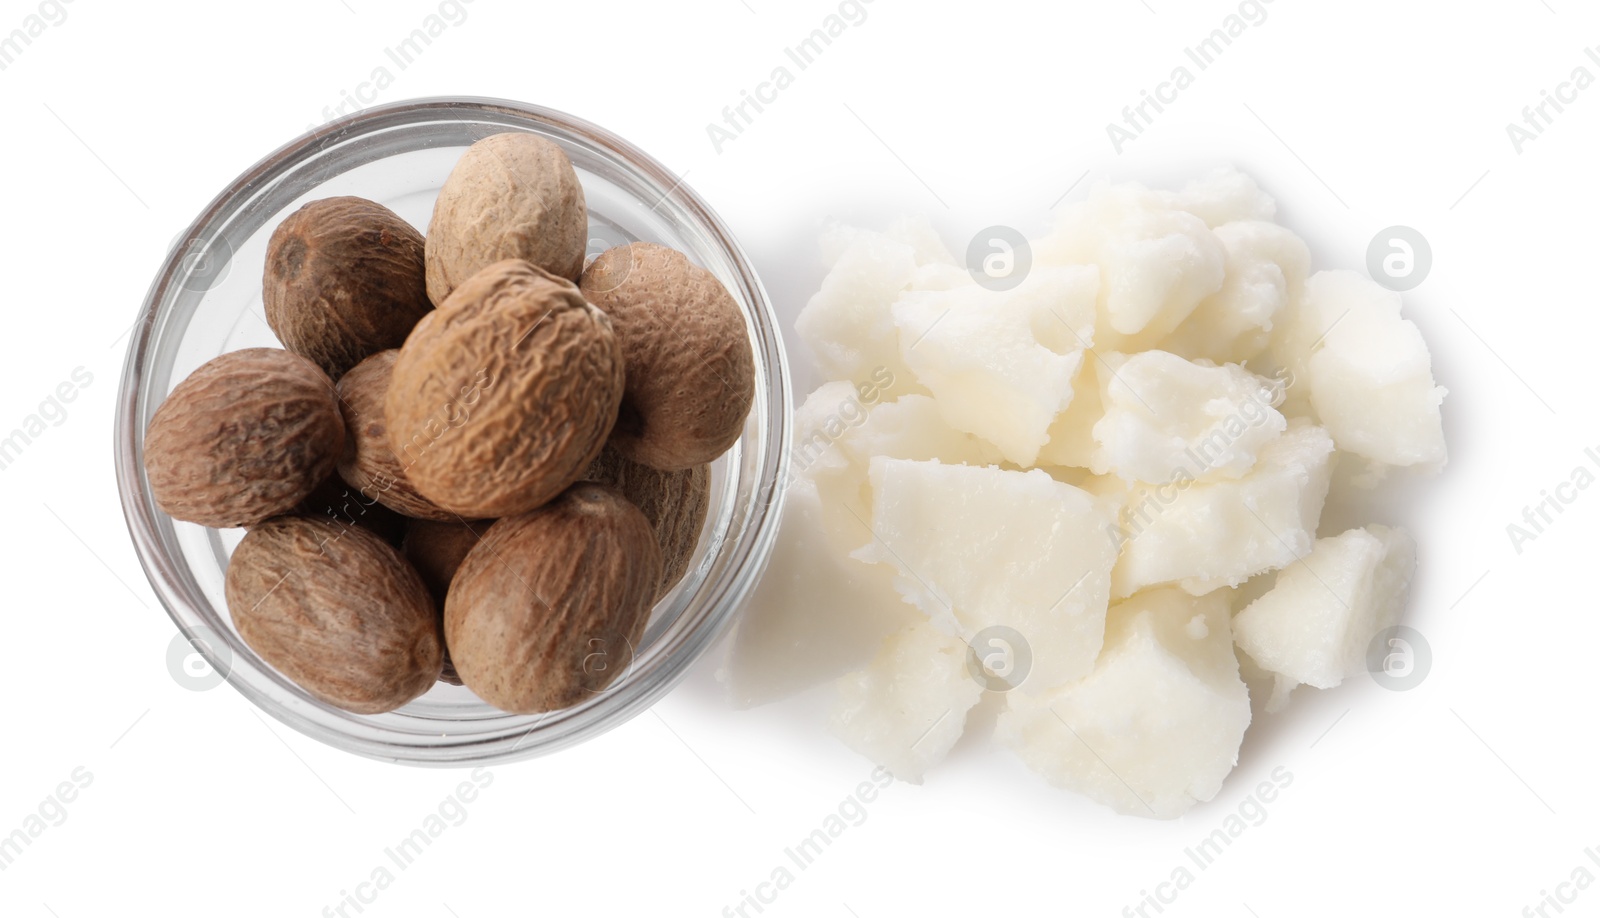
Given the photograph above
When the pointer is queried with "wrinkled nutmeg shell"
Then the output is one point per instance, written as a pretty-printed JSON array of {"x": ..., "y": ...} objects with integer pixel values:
[
  {"x": 549, "y": 608},
  {"x": 368, "y": 464},
  {"x": 344, "y": 279},
  {"x": 336, "y": 610},
  {"x": 245, "y": 437},
  {"x": 512, "y": 195},
  {"x": 502, "y": 397},
  {"x": 690, "y": 370},
  {"x": 675, "y": 503}
]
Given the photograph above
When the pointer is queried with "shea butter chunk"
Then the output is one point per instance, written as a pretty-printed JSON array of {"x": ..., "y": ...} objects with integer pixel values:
[
  {"x": 1371, "y": 377},
  {"x": 1266, "y": 269},
  {"x": 1000, "y": 364},
  {"x": 1314, "y": 625},
  {"x": 1071, "y": 435},
  {"x": 926, "y": 245},
  {"x": 838, "y": 431},
  {"x": 1167, "y": 419},
  {"x": 908, "y": 707},
  {"x": 976, "y": 547},
  {"x": 1206, "y": 536},
  {"x": 1223, "y": 196},
  {"x": 1156, "y": 263},
  {"x": 847, "y": 324},
  {"x": 913, "y": 428},
  {"x": 829, "y": 414},
  {"x": 1157, "y": 725}
]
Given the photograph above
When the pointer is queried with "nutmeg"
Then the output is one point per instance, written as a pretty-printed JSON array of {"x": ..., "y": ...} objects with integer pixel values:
[
  {"x": 246, "y": 436},
  {"x": 436, "y": 549},
  {"x": 502, "y": 397},
  {"x": 675, "y": 503},
  {"x": 690, "y": 368},
  {"x": 512, "y": 195},
  {"x": 368, "y": 464},
  {"x": 344, "y": 279},
  {"x": 548, "y": 609},
  {"x": 336, "y": 610}
]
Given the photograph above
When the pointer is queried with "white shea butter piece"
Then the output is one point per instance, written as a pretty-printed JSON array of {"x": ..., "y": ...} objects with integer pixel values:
[
  {"x": 1000, "y": 364},
  {"x": 976, "y": 547},
  {"x": 1371, "y": 377},
  {"x": 913, "y": 428},
  {"x": 1156, "y": 263},
  {"x": 1223, "y": 196},
  {"x": 1071, "y": 435},
  {"x": 816, "y": 614},
  {"x": 1204, "y": 536},
  {"x": 829, "y": 415},
  {"x": 940, "y": 277},
  {"x": 1167, "y": 419},
  {"x": 1266, "y": 269},
  {"x": 831, "y": 411},
  {"x": 909, "y": 705},
  {"x": 1157, "y": 725},
  {"x": 926, "y": 246},
  {"x": 840, "y": 427},
  {"x": 1314, "y": 625},
  {"x": 847, "y": 324}
]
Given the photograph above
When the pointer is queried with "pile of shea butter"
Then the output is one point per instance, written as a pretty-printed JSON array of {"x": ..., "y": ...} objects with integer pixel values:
[{"x": 1056, "y": 488}]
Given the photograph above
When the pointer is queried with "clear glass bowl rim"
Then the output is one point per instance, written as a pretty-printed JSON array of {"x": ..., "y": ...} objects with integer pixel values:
[{"x": 739, "y": 559}]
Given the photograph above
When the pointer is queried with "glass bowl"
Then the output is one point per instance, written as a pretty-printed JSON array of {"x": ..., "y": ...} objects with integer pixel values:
[{"x": 206, "y": 300}]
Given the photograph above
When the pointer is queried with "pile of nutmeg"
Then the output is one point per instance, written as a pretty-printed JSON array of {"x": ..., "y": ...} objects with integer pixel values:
[{"x": 477, "y": 459}]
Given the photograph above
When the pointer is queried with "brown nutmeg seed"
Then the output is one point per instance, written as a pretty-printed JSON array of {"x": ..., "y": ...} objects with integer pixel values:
[
  {"x": 549, "y": 608},
  {"x": 344, "y": 279},
  {"x": 368, "y": 464},
  {"x": 245, "y": 437},
  {"x": 690, "y": 369},
  {"x": 512, "y": 195},
  {"x": 675, "y": 503},
  {"x": 503, "y": 396},
  {"x": 336, "y": 610},
  {"x": 436, "y": 549}
]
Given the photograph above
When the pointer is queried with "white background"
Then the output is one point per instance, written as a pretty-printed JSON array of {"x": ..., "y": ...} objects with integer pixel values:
[{"x": 1466, "y": 796}]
